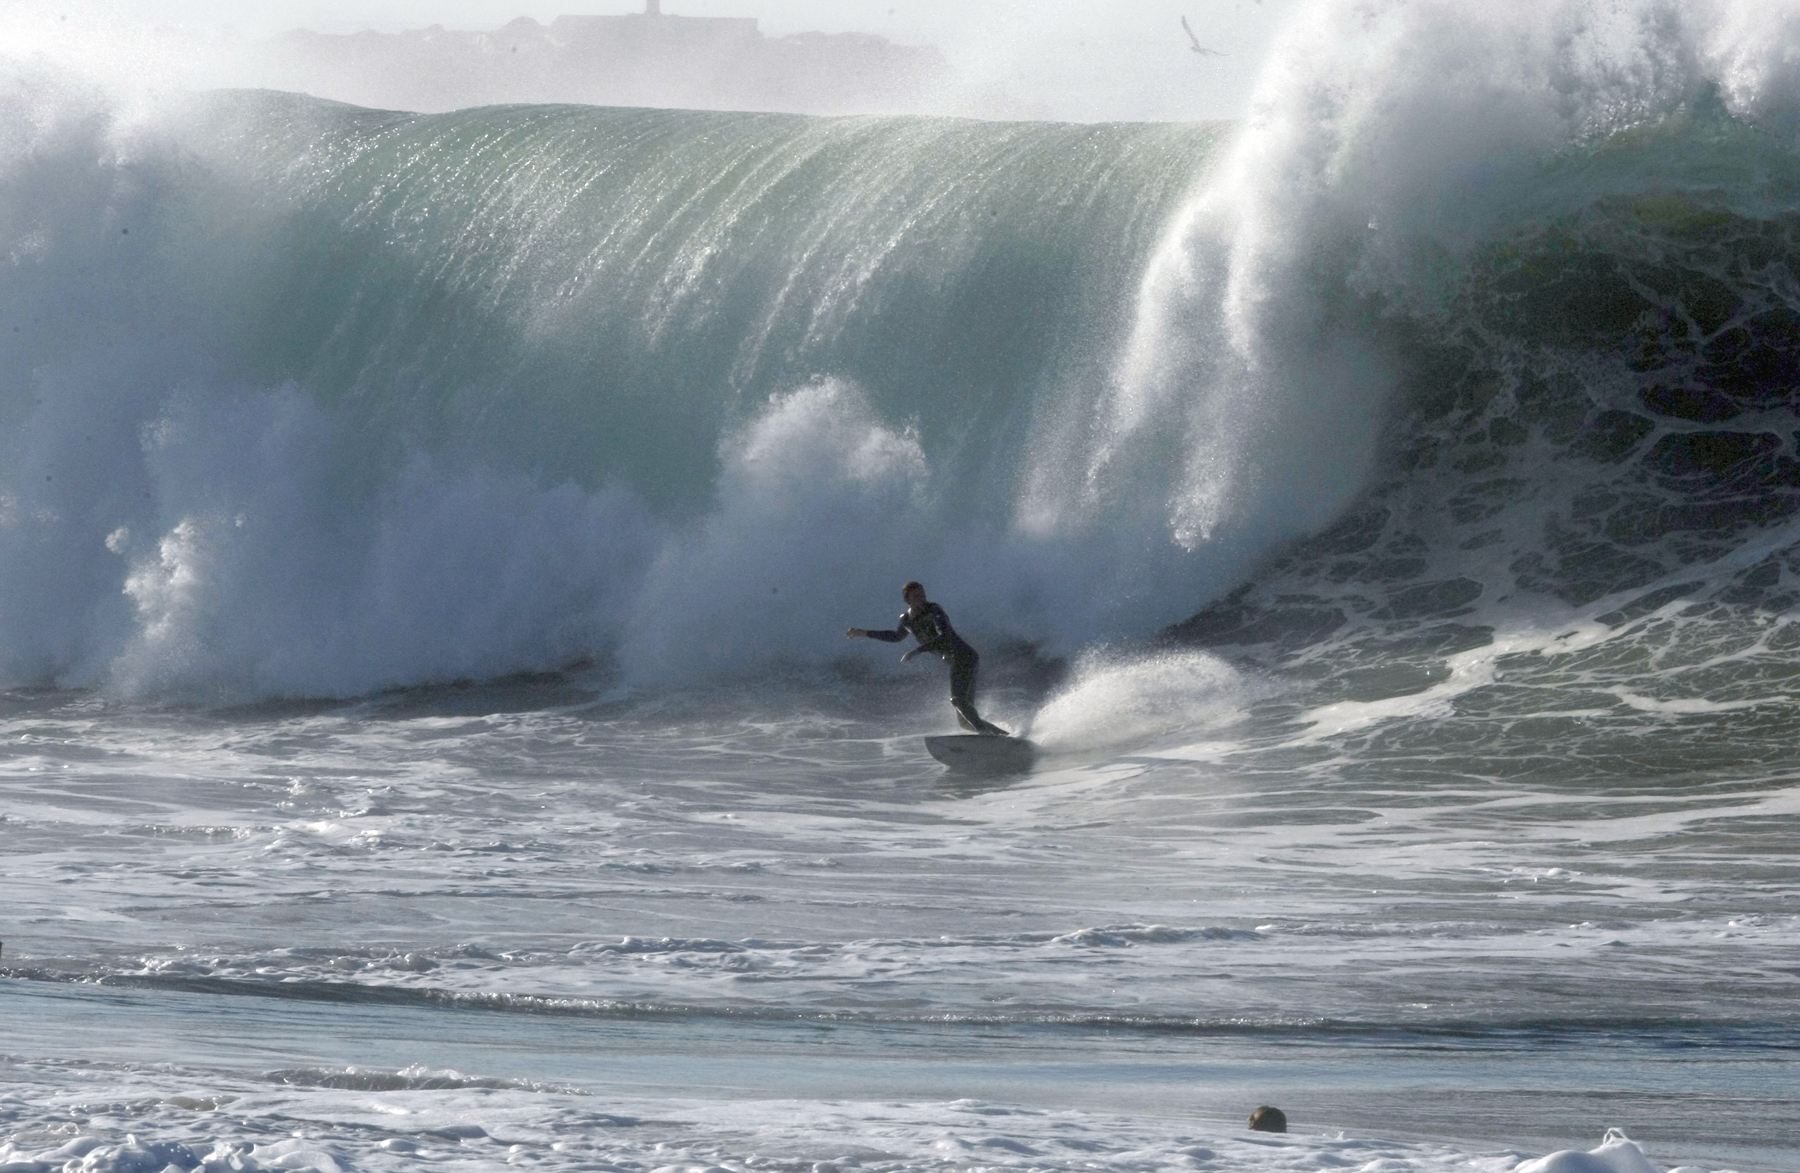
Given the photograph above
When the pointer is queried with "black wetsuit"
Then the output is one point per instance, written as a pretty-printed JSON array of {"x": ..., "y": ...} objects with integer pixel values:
[{"x": 931, "y": 627}]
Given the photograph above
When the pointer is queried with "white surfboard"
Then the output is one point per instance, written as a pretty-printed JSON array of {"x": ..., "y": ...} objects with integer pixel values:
[{"x": 975, "y": 753}]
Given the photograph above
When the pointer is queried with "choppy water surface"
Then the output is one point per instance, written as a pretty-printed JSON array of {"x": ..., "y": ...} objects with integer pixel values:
[{"x": 533, "y": 910}]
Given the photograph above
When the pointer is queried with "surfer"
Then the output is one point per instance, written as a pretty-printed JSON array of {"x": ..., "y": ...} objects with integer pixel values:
[{"x": 926, "y": 622}]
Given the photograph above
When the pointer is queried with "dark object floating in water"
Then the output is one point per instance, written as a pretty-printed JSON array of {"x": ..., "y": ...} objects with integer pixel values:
[
  {"x": 1267, "y": 1119},
  {"x": 979, "y": 753}
]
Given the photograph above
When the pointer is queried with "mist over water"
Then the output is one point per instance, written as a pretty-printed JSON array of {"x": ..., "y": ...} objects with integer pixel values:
[
  {"x": 426, "y": 543},
  {"x": 1128, "y": 61}
]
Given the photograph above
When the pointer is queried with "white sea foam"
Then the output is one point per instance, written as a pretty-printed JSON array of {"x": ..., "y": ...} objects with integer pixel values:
[
  {"x": 453, "y": 576},
  {"x": 335, "y": 1128},
  {"x": 1136, "y": 701},
  {"x": 787, "y": 551},
  {"x": 1617, "y": 1153}
]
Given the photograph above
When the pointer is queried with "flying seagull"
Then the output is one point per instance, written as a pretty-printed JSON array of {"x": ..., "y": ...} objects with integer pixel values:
[{"x": 1198, "y": 47}]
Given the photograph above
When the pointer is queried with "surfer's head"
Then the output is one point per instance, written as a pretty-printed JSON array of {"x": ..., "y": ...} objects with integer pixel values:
[{"x": 914, "y": 594}]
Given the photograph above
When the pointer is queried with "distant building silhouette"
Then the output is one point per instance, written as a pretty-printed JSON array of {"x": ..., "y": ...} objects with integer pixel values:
[{"x": 648, "y": 58}]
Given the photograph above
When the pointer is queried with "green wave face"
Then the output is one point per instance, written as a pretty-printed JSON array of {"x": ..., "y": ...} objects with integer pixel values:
[{"x": 605, "y": 294}]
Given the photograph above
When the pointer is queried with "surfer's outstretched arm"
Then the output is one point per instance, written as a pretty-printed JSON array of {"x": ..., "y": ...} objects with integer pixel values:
[{"x": 886, "y": 637}]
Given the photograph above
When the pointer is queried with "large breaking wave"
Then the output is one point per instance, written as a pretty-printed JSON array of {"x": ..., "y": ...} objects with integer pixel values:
[
  {"x": 1500, "y": 307},
  {"x": 308, "y": 399}
]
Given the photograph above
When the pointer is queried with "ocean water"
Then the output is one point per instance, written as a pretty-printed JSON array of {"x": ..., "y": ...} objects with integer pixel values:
[{"x": 428, "y": 735}]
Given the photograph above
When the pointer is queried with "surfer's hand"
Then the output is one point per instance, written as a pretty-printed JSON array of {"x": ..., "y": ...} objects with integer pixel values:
[
  {"x": 853, "y": 633},
  {"x": 910, "y": 655}
]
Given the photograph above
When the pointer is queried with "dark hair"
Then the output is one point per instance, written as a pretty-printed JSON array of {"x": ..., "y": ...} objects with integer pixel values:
[
  {"x": 1267, "y": 1119},
  {"x": 910, "y": 587}
]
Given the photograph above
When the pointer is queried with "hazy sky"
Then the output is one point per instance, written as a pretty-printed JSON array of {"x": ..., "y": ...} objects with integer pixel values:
[{"x": 1080, "y": 59}]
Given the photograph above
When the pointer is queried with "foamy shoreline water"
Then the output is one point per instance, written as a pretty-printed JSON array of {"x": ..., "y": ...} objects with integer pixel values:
[
  {"x": 650, "y": 1096},
  {"x": 606, "y": 900}
]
